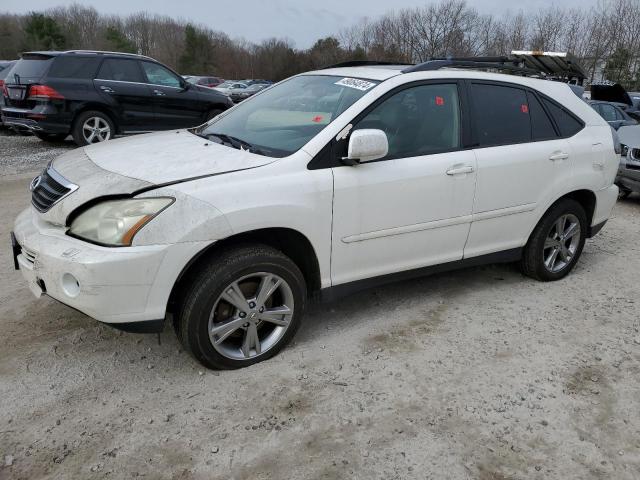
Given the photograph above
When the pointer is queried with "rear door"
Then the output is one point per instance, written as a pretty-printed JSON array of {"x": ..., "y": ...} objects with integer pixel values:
[
  {"x": 522, "y": 165},
  {"x": 120, "y": 83},
  {"x": 176, "y": 104}
]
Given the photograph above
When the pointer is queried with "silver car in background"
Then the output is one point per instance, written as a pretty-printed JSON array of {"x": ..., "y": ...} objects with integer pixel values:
[{"x": 628, "y": 178}]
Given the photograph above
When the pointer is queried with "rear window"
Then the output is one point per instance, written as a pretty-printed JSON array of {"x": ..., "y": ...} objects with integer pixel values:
[
  {"x": 122, "y": 70},
  {"x": 74, "y": 67},
  {"x": 566, "y": 122},
  {"x": 501, "y": 114},
  {"x": 31, "y": 68}
]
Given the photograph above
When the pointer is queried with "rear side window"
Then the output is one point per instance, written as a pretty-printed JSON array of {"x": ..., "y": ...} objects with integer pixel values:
[
  {"x": 501, "y": 114},
  {"x": 565, "y": 121},
  {"x": 74, "y": 67},
  {"x": 122, "y": 70},
  {"x": 541, "y": 125},
  {"x": 32, "y": 67}
]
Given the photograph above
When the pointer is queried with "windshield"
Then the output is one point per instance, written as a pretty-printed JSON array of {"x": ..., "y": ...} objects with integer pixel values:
[{"x": 280, "y": 120}]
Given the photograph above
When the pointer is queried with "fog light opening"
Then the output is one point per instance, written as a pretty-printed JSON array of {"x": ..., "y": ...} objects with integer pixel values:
[{"x": 70, "y": 285}]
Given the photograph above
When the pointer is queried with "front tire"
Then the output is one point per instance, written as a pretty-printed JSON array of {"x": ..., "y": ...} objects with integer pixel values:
[
  {"x": 92, "y": 127},
  {"x": 242, "y": 307},
  {"x": 556, "y": 243}
]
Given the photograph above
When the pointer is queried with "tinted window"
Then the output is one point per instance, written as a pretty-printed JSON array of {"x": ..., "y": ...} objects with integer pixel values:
[
  {"x": 501, "y": 114},
  {"x": 418, "y": 120},
  {"x": 541, "y": 125},
  {"x": 158, "y": 75},
  {"x": 74, "y": 67},
  {"x": 122, "y": 70},
  {"x": 566, "y": 122},
  {"x": 31, "y": 67}
]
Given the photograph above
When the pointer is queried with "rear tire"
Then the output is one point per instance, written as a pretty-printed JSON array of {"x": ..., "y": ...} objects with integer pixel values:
[
  {"x": 223, "y": 319},
  {"x": 51, "y": 137},
  {"x": 92, "y": 127},
  {"x": 556, "y": 243}
]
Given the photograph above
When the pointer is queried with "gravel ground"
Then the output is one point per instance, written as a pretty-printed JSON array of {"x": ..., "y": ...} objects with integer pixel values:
[{"x": 476, "y": 374}]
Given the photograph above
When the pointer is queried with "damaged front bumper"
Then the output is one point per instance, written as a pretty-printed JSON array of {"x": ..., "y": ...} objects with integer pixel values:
[{"x": 120, "y": 286}]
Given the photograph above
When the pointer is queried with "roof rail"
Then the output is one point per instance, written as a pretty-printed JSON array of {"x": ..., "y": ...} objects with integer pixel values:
[
  {"x": 362, "y": 63},
  {"x": 102, "y": 52},
  {"x": 489, "y": 63}
]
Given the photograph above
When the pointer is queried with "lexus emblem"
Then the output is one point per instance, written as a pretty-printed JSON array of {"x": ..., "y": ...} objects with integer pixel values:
[{"x": 35, "y": 182}]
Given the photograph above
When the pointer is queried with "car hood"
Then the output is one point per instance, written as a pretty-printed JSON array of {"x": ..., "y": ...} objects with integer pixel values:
[
  {"x": 127, "y": 165},
  {"x": 629, "y": 136}
]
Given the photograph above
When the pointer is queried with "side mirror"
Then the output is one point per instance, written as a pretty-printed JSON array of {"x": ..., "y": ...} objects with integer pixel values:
[{"x": 366, "y": 145}]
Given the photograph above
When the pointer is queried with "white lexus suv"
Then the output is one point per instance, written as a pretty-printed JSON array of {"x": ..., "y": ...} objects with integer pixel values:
[{"x": 323, "y": 184}]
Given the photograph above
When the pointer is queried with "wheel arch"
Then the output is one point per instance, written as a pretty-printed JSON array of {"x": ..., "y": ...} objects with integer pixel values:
[
  {"x": 98, "y": 108},
  {"x": 291, "y": 242},
  {"x": 585, "y": 197}
]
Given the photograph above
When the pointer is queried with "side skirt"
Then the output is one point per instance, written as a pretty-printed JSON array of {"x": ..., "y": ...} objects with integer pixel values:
[{"x": 331, "y": 294}]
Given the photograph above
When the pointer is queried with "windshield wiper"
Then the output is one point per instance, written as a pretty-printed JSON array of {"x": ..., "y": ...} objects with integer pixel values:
[{"x": 236, "y": 142}]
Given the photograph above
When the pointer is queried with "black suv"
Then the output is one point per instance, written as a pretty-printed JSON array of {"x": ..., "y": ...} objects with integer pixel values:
[{"x": 96, "y": 95}]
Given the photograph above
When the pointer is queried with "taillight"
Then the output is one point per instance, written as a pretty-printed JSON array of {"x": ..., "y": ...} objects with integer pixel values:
[
  {"x": 44, "y": 92},
  {"x": 3, "y": 87}
]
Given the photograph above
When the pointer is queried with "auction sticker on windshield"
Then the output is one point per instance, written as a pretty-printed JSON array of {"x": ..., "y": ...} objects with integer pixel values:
[{"x": 356, "y": 83}]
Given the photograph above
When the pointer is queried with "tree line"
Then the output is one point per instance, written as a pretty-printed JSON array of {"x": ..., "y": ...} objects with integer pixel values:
[{"x": 605, "y": 36}]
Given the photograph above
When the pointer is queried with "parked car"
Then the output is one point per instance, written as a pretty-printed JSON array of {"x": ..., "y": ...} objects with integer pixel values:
[
  {"x": 615, "y": 93},
  {"x": 628, "y": 178},
  {"x": 249, "y": 91},
  {"x": 613, "y": 113},
  {"x": 234, "y": 90},
  {"x": 329, "y": 182},
  {"x": 257, "y": 81},
  {"x": 96, "y": 95},
  {"x": 204, "y": 81},
  {"x": 5, "y": 68}
]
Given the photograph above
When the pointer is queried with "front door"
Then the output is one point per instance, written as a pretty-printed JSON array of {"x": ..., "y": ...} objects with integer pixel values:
[
  {"x": 176, "y": 104},
  {"x": 412, "y": 208}
]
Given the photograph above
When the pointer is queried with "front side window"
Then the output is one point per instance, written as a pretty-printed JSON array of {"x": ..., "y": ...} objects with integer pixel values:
[
  {"x": 418, "y": 120},
  {"x": 159, "y": 75},
  {"x": 501, "y": 114},
  {"x": 279, "y": 121},
  {"x": 121, "y": 70}
]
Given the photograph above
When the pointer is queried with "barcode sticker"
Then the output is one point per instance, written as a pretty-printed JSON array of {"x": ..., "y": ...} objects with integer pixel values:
[{"x": 356, "y": 83}]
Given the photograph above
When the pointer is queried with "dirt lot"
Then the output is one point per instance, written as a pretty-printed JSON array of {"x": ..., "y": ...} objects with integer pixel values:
[{"x": 477, "y": 374}]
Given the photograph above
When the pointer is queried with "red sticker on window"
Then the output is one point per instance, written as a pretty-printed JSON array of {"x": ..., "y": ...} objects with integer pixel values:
[
  {"x": 524, "y": 108},
  {"x": 439, "y": 101},
  {"x": 317, "y": 118}
]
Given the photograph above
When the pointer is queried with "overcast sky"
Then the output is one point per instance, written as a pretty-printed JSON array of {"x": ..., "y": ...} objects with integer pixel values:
[{"x": 303, "y": 21}]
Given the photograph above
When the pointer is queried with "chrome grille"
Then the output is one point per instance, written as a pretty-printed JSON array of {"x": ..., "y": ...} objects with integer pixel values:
[{"x": 49, "y": 188}]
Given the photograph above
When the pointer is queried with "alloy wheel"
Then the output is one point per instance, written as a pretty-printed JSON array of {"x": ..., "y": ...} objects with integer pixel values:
[
  {"x": 96, "y": 129},
  {"x": 251, "y": 316},
  {"x": 562, "y": 243}
]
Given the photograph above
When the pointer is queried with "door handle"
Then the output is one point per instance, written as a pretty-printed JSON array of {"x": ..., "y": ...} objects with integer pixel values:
[
  {"x": 559, "y": 156},
  {"x": 159, "y": 93},
  {"x": 458, "y": 170},
  {"x": 107, "y": 89}
]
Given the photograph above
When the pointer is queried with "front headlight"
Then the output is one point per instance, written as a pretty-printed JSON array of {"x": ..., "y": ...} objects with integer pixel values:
[
  {"x": 624, "y": 150},
  {"x": 115, "y": 222}
]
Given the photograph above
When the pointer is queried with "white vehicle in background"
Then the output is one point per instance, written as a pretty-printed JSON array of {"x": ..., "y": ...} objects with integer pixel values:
[{"x": 326, "y": 183}]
